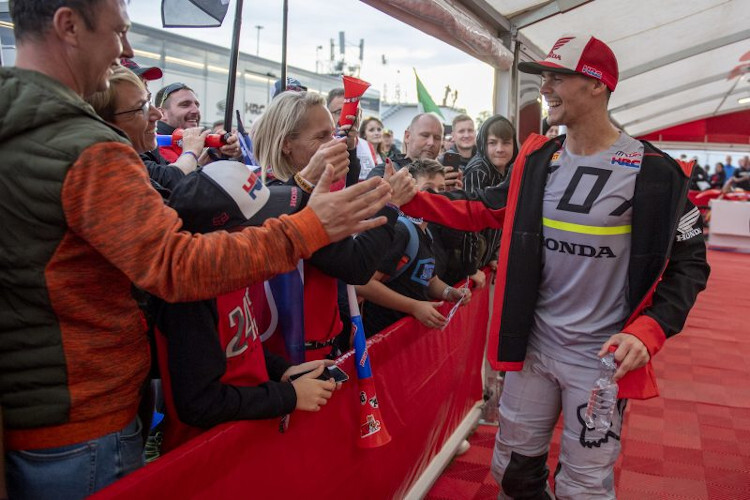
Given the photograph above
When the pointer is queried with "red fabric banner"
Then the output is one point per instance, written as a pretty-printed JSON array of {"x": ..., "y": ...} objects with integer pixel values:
[{"x": 427, "y": 381}]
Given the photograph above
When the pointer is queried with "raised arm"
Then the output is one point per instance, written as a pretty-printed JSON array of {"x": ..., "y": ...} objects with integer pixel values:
[
  {"x": 461, "y": 210},
  {"x": 107, "y": 202}
]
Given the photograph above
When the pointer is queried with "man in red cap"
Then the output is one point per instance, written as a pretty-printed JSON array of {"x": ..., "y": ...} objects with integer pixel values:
[{"x": 600, "y": 248}]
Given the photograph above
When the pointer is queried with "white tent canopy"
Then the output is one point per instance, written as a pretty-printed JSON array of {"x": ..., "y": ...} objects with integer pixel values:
[{"x": 675, "y": 56}]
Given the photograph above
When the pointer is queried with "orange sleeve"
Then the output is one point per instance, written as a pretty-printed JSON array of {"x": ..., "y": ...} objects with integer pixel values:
[{"x": 108, "y": 202}]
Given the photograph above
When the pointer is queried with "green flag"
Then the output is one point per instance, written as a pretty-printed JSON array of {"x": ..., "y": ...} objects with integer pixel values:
[{"x": 425, "y": 101}]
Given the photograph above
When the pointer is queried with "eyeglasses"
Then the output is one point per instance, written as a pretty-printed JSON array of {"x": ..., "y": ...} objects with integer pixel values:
[
  {"x": 144, "y": 109},
  {"x": 168, "y": 90}
]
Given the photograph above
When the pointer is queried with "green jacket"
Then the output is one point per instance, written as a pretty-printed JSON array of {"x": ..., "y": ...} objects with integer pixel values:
[{"x": 43, "y": 129}]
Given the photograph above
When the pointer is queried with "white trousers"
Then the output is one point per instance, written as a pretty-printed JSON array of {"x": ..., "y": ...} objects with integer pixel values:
[{"x": 529, "y": 409}]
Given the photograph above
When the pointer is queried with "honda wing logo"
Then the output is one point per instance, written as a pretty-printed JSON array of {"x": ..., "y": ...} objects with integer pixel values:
[
  {"x": 557, "y": 45},
  {"x": 686, "y": 225}
]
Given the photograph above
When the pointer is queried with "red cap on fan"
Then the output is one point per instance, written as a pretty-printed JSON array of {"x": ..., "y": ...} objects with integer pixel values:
[{"x": 578, "y": 54}]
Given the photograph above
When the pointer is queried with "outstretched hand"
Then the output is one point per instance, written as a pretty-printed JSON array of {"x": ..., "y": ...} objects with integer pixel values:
[
  {"x": 403, "y": 185},
  {"x": 348, "y": 211}
]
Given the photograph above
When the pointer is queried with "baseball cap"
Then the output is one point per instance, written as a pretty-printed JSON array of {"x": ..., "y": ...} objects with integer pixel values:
[
  {"x": 578, "y": 54},
  {"x": 226, "y": 194},
  {"x": 150, "y": 73},
  {"x": 291, "y": 84}
]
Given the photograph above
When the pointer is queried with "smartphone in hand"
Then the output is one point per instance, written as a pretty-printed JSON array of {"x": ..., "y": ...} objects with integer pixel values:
[
  {"x": 451, "y": 159},
  {"x": 330, "y": 372}
]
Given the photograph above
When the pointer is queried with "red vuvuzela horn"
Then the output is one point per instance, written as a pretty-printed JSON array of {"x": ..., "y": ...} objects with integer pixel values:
[
  {"x": 372, "y": 431},
  {"x": 353, "y": 90}
]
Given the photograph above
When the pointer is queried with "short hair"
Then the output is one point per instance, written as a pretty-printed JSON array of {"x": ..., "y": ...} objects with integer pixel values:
[
  {"x": 461, "y": 118},
  {"x": 333, "y": 94},
  {"x": 32, "y": 18},
  {"x": 367, "y": 120},
  {"x": 104, "y": 102},
  {"x": 501, "y": 128},
  {"x": 426, "y": 167},
  {"x": 282, "y": 119}
]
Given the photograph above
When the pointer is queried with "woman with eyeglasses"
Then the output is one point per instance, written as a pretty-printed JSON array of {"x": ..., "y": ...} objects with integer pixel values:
[
  {"x": 126, "y": 104},
  {"x": 293, "y": 140}
]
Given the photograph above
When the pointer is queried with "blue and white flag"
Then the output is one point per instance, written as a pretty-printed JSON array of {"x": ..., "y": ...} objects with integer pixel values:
[
  {"x": 193, "y": 13},
  {"x": 288, "y": 294}
]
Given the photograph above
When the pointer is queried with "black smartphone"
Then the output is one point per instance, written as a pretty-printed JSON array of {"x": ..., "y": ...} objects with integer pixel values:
[
  {"x": 336, "y": 373},
  {"x": 332, "y": 371},
  {"x": 452, "y": 160}
]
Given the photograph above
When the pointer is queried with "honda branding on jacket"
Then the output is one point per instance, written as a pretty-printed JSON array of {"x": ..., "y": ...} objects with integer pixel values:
[{"x": 587, "y": 216}]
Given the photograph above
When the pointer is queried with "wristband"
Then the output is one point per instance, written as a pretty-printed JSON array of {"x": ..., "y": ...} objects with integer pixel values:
[
  {"x": 190, "y": 153},
  {"x": 303, "y": 184},
  {"x": 393, "y": 206},
  {"x": 447, "y": 291}
]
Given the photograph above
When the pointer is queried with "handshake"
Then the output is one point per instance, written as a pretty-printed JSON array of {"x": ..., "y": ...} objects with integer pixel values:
[{"x": 350, "y": 210}]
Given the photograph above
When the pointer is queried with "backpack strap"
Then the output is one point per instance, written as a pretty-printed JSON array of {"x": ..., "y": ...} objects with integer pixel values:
[{"x": 411, "y": 249}]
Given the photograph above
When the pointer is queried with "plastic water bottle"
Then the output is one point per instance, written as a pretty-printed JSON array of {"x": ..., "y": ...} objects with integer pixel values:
[{"x": 603, "y": 398}]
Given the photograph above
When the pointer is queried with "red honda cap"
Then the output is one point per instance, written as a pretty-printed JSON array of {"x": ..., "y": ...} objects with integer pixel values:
[
  {"x": 578, "y": 54},
  {"x": 151, "y": 73}
]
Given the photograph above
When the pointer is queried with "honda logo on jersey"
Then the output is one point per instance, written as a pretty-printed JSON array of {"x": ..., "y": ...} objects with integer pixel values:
[{"x": 578, "y": 249}]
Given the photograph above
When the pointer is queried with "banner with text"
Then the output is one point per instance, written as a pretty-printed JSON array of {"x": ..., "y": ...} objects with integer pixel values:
[{"x": 427, "y": 381}]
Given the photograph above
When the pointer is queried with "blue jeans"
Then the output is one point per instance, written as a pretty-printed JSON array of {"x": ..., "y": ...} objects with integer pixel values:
[{"x": 76, "y": 470}]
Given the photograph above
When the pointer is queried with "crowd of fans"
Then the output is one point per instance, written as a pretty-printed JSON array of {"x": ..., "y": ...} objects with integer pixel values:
[
  {"x": 189, "y": 235},
  {"x": 205, "y": 330},
  {"x": 723, "y": 176}
]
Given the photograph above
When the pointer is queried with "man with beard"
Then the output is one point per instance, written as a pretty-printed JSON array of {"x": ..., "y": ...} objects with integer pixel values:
[{"x": 180, "y": 108}]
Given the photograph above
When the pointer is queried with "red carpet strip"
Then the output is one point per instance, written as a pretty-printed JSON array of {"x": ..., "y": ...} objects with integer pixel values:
[{"x": 693, "y": 442}]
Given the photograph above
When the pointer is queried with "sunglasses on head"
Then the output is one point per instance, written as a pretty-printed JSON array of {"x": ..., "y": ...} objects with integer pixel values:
[{"x": 169, "y": 90}]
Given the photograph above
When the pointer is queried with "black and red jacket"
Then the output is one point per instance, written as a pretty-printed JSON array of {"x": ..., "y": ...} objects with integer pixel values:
[
  {"x": 214, "y": 368},
  {"x": 666, "y": 271}
]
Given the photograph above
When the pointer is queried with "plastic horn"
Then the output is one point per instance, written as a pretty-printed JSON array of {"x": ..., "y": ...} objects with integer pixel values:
[
  {"x": 353, "y": 90},
  {"x": 372, "y": 433}
]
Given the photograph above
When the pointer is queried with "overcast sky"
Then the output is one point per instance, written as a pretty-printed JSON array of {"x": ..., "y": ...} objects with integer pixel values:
[{"x": 313, "y": 23}]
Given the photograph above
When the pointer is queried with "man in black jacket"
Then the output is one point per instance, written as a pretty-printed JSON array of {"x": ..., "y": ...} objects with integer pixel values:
[{"x": 600, "y": 248}]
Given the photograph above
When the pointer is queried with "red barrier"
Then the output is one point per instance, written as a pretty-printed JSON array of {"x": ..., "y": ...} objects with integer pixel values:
[{"x": 427, "y": 381}]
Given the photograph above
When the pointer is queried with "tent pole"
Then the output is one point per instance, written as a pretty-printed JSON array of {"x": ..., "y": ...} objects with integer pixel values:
[{"x": 285, "y": 22}]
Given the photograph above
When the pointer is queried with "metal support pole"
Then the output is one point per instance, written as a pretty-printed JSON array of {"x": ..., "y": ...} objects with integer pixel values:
[{"x": 233, "y": 57}]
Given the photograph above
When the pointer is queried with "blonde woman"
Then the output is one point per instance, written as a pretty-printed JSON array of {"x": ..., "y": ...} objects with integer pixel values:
[{"x": 294, "y": 140}]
